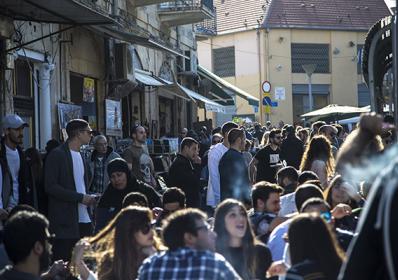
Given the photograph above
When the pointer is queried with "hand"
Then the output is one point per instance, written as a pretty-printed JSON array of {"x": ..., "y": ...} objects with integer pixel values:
[
  {"x": 372, "y": 123},
  {"x": 58, "y": 268},
  {"x": 341, "y": 210},
  {"x": 277, "y": 268},
  {"x": 78, "y": 251},
  {"x": 3, "y": 214},
  {"x": 89, "y": 199},
  {"x": 197, "y": 160}
]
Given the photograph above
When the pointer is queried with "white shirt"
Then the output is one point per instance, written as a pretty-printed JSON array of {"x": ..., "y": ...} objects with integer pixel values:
[
  {"x": 276, "y": 243},
  {"x": 213, "y": 189},
  {"x": 288, "y": 204},
  {"x": 78, "y": 174},
  {"x": 14, "y": 165}
]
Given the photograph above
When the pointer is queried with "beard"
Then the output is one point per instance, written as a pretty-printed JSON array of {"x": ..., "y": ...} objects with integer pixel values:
[{"x": 44, "y": 261}]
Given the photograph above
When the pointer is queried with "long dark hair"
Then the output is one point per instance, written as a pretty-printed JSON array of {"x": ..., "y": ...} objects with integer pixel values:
[
  {"x": 117, "y": 251},
  {"x": 223, "y": 237},
  {"x": 311, "y": 239},
  {"x": 318, "y": 148}
]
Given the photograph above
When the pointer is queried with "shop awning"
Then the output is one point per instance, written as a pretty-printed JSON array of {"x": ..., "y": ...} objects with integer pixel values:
[
  {"x": 141, "y": 38},
  {"x": 75, "y": 12},
  {"x": 230, "y": 89},
  {"x": 146, "y": 78},
  {"x": 210, "y": 105}
]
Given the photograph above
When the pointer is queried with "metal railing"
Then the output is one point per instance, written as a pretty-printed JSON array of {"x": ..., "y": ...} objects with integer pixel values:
[
  {"x": 183, "y": 5},
  {"x": 208, "y": 27}
]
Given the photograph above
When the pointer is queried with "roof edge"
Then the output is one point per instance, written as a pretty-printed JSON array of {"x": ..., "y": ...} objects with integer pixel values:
[{"x": 318, "y": 27}]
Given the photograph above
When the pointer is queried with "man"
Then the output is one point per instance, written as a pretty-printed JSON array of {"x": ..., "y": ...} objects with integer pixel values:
[
  {"x": 258, "y": 134},
  {"x": 98, "y": 164},
  {"x": 315, "y": 128},
  {"x": 234, "y": 175},
  {"x": 215, "y": 154},
  {"x": 15, "y": 163},
  {"x": 276, "y": 242},
  {"x": 26, "y": 240},
  {"x": 266, "y": 162},
  {"x": 288, "y": 179},
  {"x": 138, "y": 158},
  {"x": 182, "y": 135},
  {"x": 66, "y": 182},
  {"x": 266, "y": 205},
  {"x": 330, "y": 132},
  {"x": 173, "y": 200},
  {"x": 190, "y": 243},
  {"x": 292, "y": 148},
  {"x": 183, "y": 174}
]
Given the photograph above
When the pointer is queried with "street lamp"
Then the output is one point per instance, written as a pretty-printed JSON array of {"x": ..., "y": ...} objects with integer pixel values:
[{"x": 309, "y": 69}]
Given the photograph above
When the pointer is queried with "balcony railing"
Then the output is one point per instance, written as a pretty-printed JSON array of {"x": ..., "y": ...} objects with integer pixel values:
[
  {"x": 206, "y": 28},
  {"x": 183, "y": 5}
]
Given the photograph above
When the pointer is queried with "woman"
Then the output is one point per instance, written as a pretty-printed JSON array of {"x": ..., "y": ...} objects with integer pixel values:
[
  {"x": 121, "y": 184},
  {"x": 313, "y": 249},
  {"x": 120, "y": 248},
  {"x": 339, "y": 192},
  {"x": 265, "y": 139},
  {"x": 318, "y": 158},
  {"x": 236, "y": 241}
]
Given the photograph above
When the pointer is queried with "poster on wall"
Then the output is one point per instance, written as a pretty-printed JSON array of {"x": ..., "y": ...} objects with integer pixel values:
[
  {"x": 67, "y": 112},
  {"x": 88, "y": 90},
  {"x": 113, "y": 113}
]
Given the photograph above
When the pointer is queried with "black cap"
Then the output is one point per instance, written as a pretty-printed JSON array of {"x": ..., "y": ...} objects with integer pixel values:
[{"x": 118, "y": 165}]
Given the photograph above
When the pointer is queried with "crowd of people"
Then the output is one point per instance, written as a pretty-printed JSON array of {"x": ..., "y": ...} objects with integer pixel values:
[{"x": 242, "y": 202}]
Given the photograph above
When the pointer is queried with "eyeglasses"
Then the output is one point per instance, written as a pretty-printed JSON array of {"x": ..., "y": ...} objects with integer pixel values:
[
  {"x": 145, "y": 229},
  {"x": 206, "y": 227}
]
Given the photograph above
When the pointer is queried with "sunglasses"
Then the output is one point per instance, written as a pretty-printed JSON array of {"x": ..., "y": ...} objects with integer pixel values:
[{"x": 145, "y": 229}]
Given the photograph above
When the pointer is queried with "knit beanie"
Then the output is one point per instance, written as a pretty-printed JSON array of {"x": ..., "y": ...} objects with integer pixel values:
[{"x": 117, "y": 165}]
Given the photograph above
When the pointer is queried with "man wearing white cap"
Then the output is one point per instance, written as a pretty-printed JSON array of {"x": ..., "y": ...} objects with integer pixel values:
[{"x": 13, "y": 156}]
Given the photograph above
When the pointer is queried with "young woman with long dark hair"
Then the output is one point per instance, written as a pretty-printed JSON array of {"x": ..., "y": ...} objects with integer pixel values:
[
  {"x": 313, "y": 249},
  {"x": 237, "y": 243},
  {"x": 121, "y": 246},
  {"x": 318, "y": 157}
]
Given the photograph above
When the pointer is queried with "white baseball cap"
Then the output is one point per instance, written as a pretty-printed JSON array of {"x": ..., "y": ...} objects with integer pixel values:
[{"x": 13, "y": 121}]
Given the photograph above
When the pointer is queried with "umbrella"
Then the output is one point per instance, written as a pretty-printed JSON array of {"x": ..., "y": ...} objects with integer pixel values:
[{"x": 334, "y": 112}]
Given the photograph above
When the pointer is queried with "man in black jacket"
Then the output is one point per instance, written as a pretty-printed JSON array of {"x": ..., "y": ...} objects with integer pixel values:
[
  {"x": 184, "y": 175},
  {"x": 15, "y": 163},
  {"x": 292, "y": 148},
  {"x": 66, "y": 182}
]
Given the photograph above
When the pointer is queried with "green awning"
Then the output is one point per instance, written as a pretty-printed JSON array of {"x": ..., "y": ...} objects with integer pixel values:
[{"x": 227, "y": 88}]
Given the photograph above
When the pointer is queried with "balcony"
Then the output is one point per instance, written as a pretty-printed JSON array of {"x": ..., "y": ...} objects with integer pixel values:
[
  {"x": 181, "y": 12},
  {"x": 140, "y": 3},
  {"x": 206, "y": 29}
]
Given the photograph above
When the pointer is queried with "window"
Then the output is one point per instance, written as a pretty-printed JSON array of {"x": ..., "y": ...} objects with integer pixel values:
[
  {"x": 301, "y": 104},
  {"x": 310, "y": 54},
  {"x": 224, "y": 62},
  {"x": 363, "y": 95}
]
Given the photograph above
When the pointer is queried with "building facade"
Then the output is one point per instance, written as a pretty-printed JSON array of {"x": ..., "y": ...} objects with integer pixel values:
[
  {"x": 272, "y": 40},
  {"x": 113, "y": 63}
]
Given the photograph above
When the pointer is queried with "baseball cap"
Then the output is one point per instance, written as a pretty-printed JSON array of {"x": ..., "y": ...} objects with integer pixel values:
[{"x": 13, "y": 121}]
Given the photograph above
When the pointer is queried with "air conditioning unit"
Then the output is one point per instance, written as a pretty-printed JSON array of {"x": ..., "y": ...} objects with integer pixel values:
[{"x": 124, "y": 62}]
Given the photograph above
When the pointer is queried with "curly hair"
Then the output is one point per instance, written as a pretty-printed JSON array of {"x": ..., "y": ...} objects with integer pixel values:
[{"x": 319, "y": 148}]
